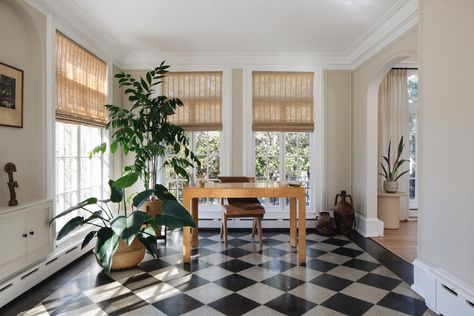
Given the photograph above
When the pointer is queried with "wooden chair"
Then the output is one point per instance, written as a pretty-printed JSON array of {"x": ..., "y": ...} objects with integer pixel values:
[{"x": 241, "y": 207}]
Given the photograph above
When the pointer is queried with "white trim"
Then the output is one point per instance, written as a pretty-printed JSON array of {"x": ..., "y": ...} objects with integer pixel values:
[
  {"x": 443, "y": 292},
  {"x": 368, "y": 226}
]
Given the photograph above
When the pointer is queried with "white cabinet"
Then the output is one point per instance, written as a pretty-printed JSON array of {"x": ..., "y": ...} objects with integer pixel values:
[{"x": 25, "y": 235}]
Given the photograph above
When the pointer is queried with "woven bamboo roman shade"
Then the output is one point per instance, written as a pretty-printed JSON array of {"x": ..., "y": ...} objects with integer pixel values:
[
  {"x": 282, "y": 101},
  {"x": 80, "y": 84},
  {"x": 201, "y": 93}
]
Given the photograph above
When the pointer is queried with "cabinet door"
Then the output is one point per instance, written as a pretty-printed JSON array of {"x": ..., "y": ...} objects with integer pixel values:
[
  {"x": 13, "y": 241},
  {"x": 40, "y": 237}
]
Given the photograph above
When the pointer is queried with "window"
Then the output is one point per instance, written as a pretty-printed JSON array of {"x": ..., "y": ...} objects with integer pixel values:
[
  {"x": 282, "y": 122},
  {"x": 412, "y": 119},
  {"x": 80, "y": 120},
  {"x": 206, "y": 146},
  {"x": 201, "y": 116}
]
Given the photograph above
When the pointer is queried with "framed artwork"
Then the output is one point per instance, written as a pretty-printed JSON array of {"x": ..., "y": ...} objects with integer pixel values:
[{"x": 11, "y": 96}]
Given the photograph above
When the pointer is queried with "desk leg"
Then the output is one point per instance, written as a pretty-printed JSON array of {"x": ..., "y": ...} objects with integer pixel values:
[
  {"x": 186, "y": 232},
  {"x": 301, "y": 230},
  {"x": 292, "y": 222},
  {"x": 194, "y": 208}
]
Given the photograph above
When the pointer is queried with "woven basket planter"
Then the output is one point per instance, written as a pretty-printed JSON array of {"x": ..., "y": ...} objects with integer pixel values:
[{"x": 127, "y": 257}]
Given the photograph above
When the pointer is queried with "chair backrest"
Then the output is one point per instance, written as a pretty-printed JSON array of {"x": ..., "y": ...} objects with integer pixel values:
[
  {"x": 232, "y": 179},
  {"x": 239, "y": 179}
]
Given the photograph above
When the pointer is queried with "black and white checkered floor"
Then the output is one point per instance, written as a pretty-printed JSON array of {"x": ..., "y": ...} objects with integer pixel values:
[{"x": 339, "y": 279}]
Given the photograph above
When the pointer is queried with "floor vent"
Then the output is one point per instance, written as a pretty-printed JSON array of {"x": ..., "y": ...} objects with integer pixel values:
[
  {"x": 29, "y": 273},
  {"x": 5, "y": 287},
  {"x": 51, "y": 261}
]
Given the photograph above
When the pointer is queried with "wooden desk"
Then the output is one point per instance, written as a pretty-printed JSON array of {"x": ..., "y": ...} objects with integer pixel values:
[{"x": 192, "y": 194}]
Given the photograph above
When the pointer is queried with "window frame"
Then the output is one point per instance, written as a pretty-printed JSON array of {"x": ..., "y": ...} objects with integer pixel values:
[
  {"x": 54, "y": 25},
  {"x": 317, "y": 150},
  {"x": 414, "y": 109}
]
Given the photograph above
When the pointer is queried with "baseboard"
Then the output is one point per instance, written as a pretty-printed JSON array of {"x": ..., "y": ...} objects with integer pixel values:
[
  {"x": 368, "y": 226},
  {"x": 18, "y": 284},
  {"x": 443, "y": 293}
]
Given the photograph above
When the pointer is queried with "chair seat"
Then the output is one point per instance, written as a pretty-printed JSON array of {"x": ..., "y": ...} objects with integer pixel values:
[{"x": 244, "y": 210}]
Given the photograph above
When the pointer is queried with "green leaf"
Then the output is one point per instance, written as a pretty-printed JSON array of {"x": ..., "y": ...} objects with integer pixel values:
[
  {"x": 113, "y": 147},
  {"x": 88, "y": 238},
  {"x": 107, "y": 243},
  {"x": 94, "y": 215},
  {"x": 148, "y": 239},
  {"x": 72, "y": 224},
  {"x": 116, "y": 194},
  {"x": 142, "y": 197},
  {"x": 400, "y": 175},
  {"x": 84, "y": 203},
  {"x": 128, "y": 227},
  {"x": 126, "y": 181},
  {"x": 174, "y": 215}
]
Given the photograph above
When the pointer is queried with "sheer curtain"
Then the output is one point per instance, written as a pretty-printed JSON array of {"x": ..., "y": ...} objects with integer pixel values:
[{"x": 393, "y": 124}]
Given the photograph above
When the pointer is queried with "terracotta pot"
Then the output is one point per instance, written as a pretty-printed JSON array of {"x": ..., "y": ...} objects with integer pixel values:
[
  {"x": 390, "y": 186},
  {"x": 154, "y": 208},
  {"x": 344, "y": 214},
  {"x": 127, "y": 257},
  {"x": 325, "y": 224}
]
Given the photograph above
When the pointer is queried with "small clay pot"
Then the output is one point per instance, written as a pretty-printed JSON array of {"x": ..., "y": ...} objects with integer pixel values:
[{"x": 325, "y": 224}]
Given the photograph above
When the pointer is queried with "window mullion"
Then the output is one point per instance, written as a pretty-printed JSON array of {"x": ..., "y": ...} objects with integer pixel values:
[
  {"x": 282, "y": 164},
  {"x": 78, "y": 157}
]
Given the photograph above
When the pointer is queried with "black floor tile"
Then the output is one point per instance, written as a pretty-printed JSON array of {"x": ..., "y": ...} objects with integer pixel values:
[
  {"x": 347, "y": 304},
  {"x": 336, "y": 242},
  {"x": 187, "y": 282},
  {"x": 193, "y": 266},
  {"x": 201, "y": 251},
  {"x": 235, "y": 265},
  {"x": 153, "y": 265},
  {"x": 362, "y": 265},
  {"x": 282, "y": 282},
  {"x": 206, "y": 242},
  {"x": 290, "y": 305},
  {"x": 347, "y": 252},
  {"x": 236, "y": 242},
  {"x": 404, "y": 304},
  {"x": 234, "y": 282},
  {"x": 320, "y": 265},
  {"x": 235, "y": 252},
  {"x": 314, "y": 253},
  {"x": 70, "y": 302},
  {"x": 331, "y": 282},
  {"x": 178, "y": 304},
  {"x": 379, "y": 281},
  {"x": 140, "y": 281},
  {"x": 277, "y": 265},
  {"x": 122, "y": 304},
  {"x": 92, "y": 281},
  {"x": 269, "y": 242},
  {"x": 234, "y": 304}
]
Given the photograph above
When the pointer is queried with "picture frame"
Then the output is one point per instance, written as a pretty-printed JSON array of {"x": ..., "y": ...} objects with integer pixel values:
[{"x": 11, "y": 96}]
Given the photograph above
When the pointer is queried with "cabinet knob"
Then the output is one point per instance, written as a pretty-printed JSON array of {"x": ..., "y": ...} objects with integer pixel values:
[
  {"x": 25, "y": 235},
  {"x": 32, "y": 233}
]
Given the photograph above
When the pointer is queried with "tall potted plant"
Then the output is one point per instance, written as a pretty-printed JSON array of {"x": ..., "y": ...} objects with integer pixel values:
[
  {"x": 391, "y": 171},
  {"x": 147, "y": 131},
  {"x": 122, "y": 236}
]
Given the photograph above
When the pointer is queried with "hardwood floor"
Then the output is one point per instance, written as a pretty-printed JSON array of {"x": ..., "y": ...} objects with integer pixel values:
[{"x": 402, "y": 241}]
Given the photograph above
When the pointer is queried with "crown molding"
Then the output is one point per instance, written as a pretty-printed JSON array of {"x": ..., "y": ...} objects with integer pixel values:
[
  {"x": 68, "y": 15},
  {"x": 402, "y": 17},
  {"x": 145, "y": 60}
]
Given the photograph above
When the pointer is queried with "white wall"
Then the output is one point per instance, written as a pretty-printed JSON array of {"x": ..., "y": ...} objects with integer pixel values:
[
  {"x": 23, "y": 42},
  {"x": 365, "y": 83},
  {"x": 446, "y": 175}
]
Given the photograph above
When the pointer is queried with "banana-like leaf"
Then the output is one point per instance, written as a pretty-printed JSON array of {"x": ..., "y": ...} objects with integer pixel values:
[
  {"x": 84, "y": 203},
  {"x": 148, "y": 239},
  {"x": 126, "y": 181},
  {"x": 72, "y": 224},
  {"x": 159, "y": 191},
  {"x": 174, "y": 215},
  {"x": 88, "y": 238},
  {"x": 116, "y": 193},
  {"x": 94, "y": 215},
  {"x": 127, "y": 228},
  {"x": 107, "y": 243}
]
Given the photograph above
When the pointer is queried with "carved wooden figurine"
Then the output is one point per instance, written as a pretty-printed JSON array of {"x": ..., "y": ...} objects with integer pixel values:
[{"x": 12, "y": 184}]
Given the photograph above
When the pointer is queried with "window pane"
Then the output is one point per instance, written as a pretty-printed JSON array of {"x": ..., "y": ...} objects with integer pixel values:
[
  {"x": 413, "y": 104},
  {"x": 297, "y": 160}
]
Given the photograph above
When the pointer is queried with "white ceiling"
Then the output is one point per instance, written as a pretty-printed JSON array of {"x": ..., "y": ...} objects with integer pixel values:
[{"x": 323, "y": 27}]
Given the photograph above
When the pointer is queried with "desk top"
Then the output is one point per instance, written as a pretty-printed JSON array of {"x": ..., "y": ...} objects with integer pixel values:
[{"x": 245, "y": 189}]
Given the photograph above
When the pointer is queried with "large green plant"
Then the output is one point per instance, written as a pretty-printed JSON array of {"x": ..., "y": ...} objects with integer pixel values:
[
  {"x": 391, "y": 170},
  {"x": 111, "y": 227},
  {"x": 146, "y": 130}
]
